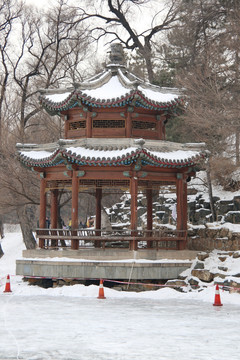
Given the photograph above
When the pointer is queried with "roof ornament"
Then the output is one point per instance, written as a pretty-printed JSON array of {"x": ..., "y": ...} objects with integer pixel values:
[
  {"x": 116, "y": 57},
  {"x": 139, "y": 142},
  {"x": 116, "y": 54}
]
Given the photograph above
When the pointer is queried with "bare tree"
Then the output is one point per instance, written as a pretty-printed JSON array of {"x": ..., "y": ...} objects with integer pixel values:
[
  {"x": 121, "y": 17},
  {"x": 205, "y": 52},
  {"x": 9, "y": 13},
  {"x": 48, "y": 53}
]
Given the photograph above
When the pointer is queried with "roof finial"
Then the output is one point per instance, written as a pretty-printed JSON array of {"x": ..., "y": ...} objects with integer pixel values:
[{"x": 117, "y": 54}]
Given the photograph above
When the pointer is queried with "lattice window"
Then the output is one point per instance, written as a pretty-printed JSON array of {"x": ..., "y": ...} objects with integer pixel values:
[
  {"x": 77, "y": 125},
  {"x": 58, "y": 184},
  {"x": 143, "y": 125},
  {"x": 104, "y": 183},
  {"x": 108, "y": 124},
  {"x": 154, "y": 184}
]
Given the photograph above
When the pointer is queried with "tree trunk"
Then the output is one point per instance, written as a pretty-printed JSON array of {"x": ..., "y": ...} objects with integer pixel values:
[
  {"x": 1, "y": 235},
  {"x": 237, "y": 146},
  {"x": 1, "y": 251},
  {"x": 210, "y": 194},
  {"x": 26, "y": 228}
]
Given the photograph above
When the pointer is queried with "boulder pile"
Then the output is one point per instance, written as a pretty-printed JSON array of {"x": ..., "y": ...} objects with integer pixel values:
[{"x": 216, "y": 267}]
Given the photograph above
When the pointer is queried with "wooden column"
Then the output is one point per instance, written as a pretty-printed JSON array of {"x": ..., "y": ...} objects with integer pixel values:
[
  {"x": 134, "y": 193},
  {"x": 149, "y": 215},
  {"x": 42, "y": 211},
  {"x": 54, "y": 208},
  {"x": 181, "y": 206},
  {"x": 98, "y": 214},
  {"x": 54, "y": 214},
  {"x": 74, "y": 215},
  {"x": 66, "y": 125},
  {"x": 89, "y": 125},
  {"x": 163, "y": 130},
  {"x": 128, "y": 125}
]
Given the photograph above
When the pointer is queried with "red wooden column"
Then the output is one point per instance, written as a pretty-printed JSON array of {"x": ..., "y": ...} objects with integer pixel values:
[
  {"x": 54, "y": 213},
  {"x": 42, "y": 211},
  {"x": 128, "y": 125},
  {"x": 89, "y": 125},
  {"x": 98, "y": 214},
  {"x": 74, "y": 216},
  {"x": 134, "y": 193},
  {"x": 54, "y": 208},
  {"x": 181, "y": 206},
  {"x": 149, "y": 215}
]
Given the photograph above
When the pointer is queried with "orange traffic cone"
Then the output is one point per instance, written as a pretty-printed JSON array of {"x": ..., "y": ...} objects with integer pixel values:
[
  {"x": 101, "y": 290},
  {"x": 8, "y": 287},
  {"x": 217, "y": 300}
]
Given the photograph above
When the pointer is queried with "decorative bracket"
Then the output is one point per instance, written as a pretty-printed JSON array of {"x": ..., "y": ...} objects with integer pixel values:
[
  {"x": 126, "y": 173},
  {"x": 80, "y": 173}
]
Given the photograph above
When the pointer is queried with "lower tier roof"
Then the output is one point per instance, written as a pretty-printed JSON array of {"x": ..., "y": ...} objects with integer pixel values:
[{"x": 112, "y": 152}]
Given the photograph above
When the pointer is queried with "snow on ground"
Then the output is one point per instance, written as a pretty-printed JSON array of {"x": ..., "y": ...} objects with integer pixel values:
[{"x": 71, "y": 323}]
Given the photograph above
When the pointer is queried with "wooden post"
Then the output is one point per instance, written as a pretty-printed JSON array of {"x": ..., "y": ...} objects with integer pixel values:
[
  {"x": 163, "y": 130},
  {"x": 128, "y": 125},
  {"x": 42, "y": 211},
  {"x": 149, "y": 215},
  {"x": 66, "y": 125},
  {"x": 89, "y": 125},
  {"x": 54, "y": 208},
  {"x": 74, "y": 216},
  {"x": 54, "y": 213},
  {"x": 134, "y": 193},
  {"x": 98, "y": 214},
  {"x": 181, "y": 207}
]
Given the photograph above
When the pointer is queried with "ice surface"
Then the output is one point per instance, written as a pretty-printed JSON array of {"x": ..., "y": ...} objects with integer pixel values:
[{"x": 70, "y": 323}]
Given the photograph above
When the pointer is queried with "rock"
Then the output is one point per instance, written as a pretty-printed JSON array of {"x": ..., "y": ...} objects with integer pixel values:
[
  {"x": 237, "y": 275},
  {"x": 194, "y": 283},
  {"x": 222, "y": 258},
  {"x": 176, "y": 283},
  {"x": 204, "y": 275},
  {"x": 202, "y": 256},
  {"x": 222, "y": 276},
  {"x": 223, "y": 233},
  {"x": 199, "y": 265},
  {"x": 236, "y": 254},
  {"x": 181, "y": 277},
  {"x": 234, "y": 287},
  {"x": 222, "y": 268}
]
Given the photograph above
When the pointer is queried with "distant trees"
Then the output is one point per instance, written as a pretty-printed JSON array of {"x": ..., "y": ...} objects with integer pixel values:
[
  {"x": 48, "y": 52},
  {"x": 205, "y": 55}
]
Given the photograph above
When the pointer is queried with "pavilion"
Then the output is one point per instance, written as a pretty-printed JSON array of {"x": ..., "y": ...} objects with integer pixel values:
[{"x": 114, "y": 139}]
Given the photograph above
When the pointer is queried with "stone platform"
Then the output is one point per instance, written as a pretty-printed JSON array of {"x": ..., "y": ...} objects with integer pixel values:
[{"x": 106, "y": 264}]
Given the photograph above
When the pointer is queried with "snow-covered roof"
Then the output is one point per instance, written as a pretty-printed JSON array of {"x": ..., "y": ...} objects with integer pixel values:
[
  {"x": 108, "y": 152},
  {"x": 115, "y": 87}
]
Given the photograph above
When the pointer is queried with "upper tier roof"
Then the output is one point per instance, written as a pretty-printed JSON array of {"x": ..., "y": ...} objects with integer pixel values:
[{"x": 115, "y": 87}]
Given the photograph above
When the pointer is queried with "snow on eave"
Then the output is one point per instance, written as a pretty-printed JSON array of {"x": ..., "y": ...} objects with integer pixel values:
[{"x": 95, "y": 83}]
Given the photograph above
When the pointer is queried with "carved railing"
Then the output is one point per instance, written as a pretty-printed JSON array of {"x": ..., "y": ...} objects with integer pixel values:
[{"x": 90, "y": 238}]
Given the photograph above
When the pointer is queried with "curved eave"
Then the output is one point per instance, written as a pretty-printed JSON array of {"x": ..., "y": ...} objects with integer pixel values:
[
  {"x": 134, "y": 97},
  {"x": 146, "y": 157}
]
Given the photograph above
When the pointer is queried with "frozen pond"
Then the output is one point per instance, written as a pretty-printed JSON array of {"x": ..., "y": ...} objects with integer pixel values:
[{"x": 71, "y": 328}]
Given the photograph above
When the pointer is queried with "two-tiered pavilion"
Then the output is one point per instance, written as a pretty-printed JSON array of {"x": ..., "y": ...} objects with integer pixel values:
[{"x": 114, "y": 138}]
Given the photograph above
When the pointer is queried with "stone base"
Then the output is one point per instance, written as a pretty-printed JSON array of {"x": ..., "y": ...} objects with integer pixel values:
[{"x": 104, "y": 264}]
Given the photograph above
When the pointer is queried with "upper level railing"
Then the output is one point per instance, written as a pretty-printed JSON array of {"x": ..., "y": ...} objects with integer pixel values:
[{"x": 90, "y": 238}]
